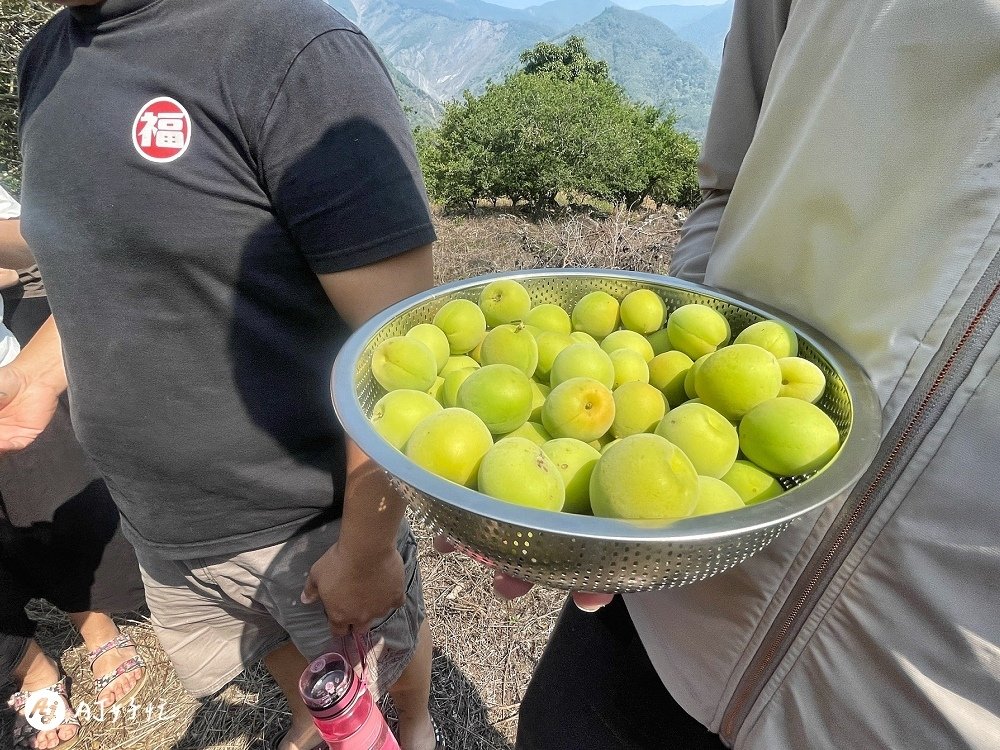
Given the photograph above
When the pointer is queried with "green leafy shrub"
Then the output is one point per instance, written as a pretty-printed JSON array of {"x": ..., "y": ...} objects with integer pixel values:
[{"x": 558, "y": 126}]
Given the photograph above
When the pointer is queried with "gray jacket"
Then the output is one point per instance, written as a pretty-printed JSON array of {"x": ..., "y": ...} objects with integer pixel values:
[{"x": 852, "y": 178}]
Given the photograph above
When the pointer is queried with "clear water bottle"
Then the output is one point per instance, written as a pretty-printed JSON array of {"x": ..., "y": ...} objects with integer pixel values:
[{"x": 342, "y": 707}]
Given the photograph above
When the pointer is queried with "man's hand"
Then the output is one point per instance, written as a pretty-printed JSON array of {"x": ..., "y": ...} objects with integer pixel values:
[
  {"x": 14, "y": 251},
  {"x": 360, "y": 578},
  {"x": 511, "y": 588},
  {"x": 26, "y": 408},
  {"x": 354, "y": 591},
  {"x": 30, "y": 387}
]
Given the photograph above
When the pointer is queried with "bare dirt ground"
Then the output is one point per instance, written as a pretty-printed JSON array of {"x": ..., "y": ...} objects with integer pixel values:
[{"x": 486, "y": 648}]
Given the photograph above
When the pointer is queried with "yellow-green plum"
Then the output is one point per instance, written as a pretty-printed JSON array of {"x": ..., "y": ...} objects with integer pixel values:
[
  {"x": 580, "y": 408},
  {"x": 397, "y": 413},
  {"x": 697, "y": 330},
  {"x": 639, "y": 407},
  {"x": 509, "y": 344},
  {"x": 517, "y": 471},
  {"x": 667, "y": 372},
  {"x": 549, "y": 346},
  {"x": 788, "y": 436},
  {"x": 582, "y": 361},
  {"x": 715, "y": 496},
  {"x": 581, "y": 337},
  {"x": 660, "y": 341},
  {"x": 629, "y": 367},
  {"x": 596, "y": 313},
  {"x": 602, "y": 447},
  {"x": 450, "y": 443},
  {"x": 643, "y": 311},
  {"x": 778, "y": 338},
  {"x": 575, "y": 461},
  {"x": 452, "y": 382},
  {"x": 800, "y": 378},
  {"x": 458, "y": 362},
  {"x": 533, "y": 431},
  {"x": 706, "y": 437},
  {"x": 549, "y": 317},
  {"x": 477, "y": 352},
  {"x": 737, "y": 378},
  {"x": 601, "y": 441},
  {"x": 436, "y": 391},
  {"x": 625, "y": 339},
  {"x": 434, "y": 339},
  {"x": 691, "y": 377},
  {"x": 500, "y": 395},
  {"x": 752, "y": 483},
  {"x": 539, "y": 392},
  {"x": 504, "y": 301},
  {"x": 643, "y": 477},
  {"x": 402, "y": 362},
  {"x": 463, "y": 323}
]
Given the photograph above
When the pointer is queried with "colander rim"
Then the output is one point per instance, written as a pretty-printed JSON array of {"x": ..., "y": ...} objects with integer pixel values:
[{"x": 856, "y": 452}]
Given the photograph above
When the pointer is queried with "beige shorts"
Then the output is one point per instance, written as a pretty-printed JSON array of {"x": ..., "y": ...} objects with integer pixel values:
[{"x": 215, "y": 616}]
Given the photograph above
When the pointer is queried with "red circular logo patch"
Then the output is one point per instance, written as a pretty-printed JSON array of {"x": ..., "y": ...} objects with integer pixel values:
[{"x": 162, "y": 130}]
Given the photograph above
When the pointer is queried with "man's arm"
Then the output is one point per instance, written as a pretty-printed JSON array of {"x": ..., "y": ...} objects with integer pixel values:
[
  {"x": 30, "y": 387},
  {"x": 365, "y": 557},
  {"x": 360, "y": 293},
  {"x": 752, "y": 42},
  {"x": 14, "y": 251}
]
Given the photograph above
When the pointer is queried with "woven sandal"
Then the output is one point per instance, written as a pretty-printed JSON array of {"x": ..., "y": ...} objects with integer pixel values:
[
  {"x": 281, "y": 738},
  {"x": 24, "y": 733},
  {"x": 438, "y": 737},
  {"x": 129, "y": 665}
]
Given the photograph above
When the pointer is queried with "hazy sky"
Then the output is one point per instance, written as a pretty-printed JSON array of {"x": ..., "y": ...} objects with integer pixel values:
[{"x": 624, "y": 3}]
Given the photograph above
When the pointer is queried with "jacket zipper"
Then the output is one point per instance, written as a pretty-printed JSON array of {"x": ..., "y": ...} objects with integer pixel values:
[{"x": 905, "y": 436}]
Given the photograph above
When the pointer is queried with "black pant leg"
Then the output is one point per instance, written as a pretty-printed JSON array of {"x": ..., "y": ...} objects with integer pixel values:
[
  {"x": 12, "y": 652},
  {"x": 594, "y": 687},
  {"x": 23, "y": 315},
  {"x": 16, "y": 628}
]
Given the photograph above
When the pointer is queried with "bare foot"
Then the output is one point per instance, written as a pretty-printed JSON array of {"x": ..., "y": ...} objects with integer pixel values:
[
  {"x": 38, "y": 672},
  {"x": 302, "y": 736},
  {"x": 417, "y": 734},
  {"x": 98, "y": 629}
]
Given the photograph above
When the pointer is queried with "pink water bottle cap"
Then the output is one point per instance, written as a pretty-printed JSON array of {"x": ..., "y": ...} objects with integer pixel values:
[{"x": 326, "y": 682}]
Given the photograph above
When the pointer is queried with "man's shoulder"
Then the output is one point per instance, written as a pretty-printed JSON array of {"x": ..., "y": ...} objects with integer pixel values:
[
  {"x": 260, "y": 39},
  {"x": 289, "y": 24},
  {"x": 36, "y": 48}
]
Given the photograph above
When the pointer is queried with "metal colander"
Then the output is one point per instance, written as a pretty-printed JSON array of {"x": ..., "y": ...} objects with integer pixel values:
[{"x": 585, "y": 553}]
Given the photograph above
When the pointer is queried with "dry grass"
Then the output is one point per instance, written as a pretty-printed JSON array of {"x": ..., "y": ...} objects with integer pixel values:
[
  {"x": 500, "y": 240},
  {"x": 486, "y": 649}
]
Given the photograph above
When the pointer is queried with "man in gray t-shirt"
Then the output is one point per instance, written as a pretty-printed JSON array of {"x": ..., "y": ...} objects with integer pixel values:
[{"x": 240, "y": 188}]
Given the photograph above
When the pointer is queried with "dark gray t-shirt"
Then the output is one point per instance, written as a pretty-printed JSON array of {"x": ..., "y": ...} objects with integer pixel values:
[{"x": 189, "y": 167}]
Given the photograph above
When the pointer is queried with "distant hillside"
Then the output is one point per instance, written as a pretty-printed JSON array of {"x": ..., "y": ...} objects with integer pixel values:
[
  {"x": 420, "y": 107},
  {"x": 676, "y": 16},
  {"x": 709, "y": 32},
  {"x": 460, "y": 10},
  {"x": 560, "y": 15},
  {"x": 653, "y": 64},
  {"x": 440, "y": 48}
]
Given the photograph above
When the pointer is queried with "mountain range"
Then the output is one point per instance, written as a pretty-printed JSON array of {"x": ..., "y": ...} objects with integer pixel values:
[{"x": 435, "y": 50}]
